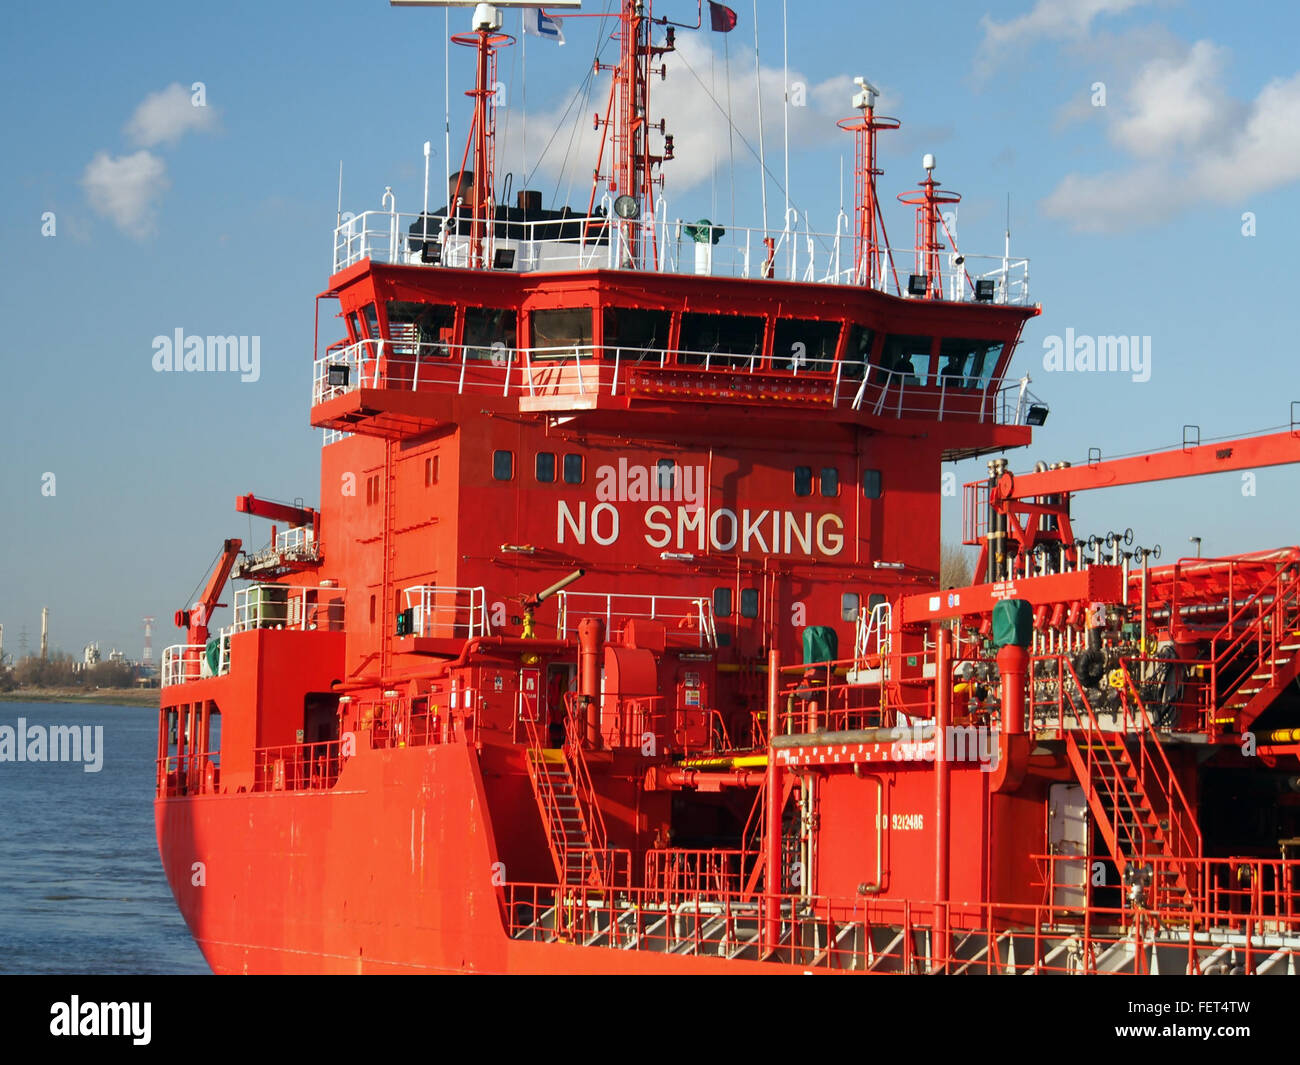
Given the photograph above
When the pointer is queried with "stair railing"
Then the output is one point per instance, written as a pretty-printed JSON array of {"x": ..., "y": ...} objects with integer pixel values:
[
  {"x": 1156, "y": 775},
  {"x": 1254, "y": 630}
]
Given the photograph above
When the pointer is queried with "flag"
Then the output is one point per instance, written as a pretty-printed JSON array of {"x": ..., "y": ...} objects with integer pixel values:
[
  {"x": 538, "y": 25},
  {"x": 722, "y": 18}
]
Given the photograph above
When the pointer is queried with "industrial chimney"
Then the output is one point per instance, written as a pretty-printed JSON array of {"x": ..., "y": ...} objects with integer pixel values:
[{"x": 45, "y": 632}]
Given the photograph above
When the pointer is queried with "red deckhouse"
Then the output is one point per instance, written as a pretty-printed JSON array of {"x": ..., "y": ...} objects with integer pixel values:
[{"x": 616, "y": 644}]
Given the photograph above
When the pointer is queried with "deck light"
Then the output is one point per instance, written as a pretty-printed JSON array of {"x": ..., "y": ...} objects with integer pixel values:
[
  {"x": 431, "y": 252},
  {"x": 338, "y": 375},
  {"x": 917, "y": 284},
  {"x": 985, "y": 289},
  {"x": 626, "y": 207},
  {"x": 503, "y": 259},
  {"x": 1036, "y": 415}
]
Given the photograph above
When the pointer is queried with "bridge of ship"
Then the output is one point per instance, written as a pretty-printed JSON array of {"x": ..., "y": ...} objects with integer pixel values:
[{"x": 619, "y": 340}]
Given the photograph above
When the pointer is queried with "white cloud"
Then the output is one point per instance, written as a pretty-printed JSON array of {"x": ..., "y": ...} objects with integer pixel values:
[
  {"x": 1054, "y": 19},
  {"x": 124, "y": 189},
  {"x": 1190, "y": 143},
  {"x": 165, "y": 116},
  {"x": 1174, "y": 103}
]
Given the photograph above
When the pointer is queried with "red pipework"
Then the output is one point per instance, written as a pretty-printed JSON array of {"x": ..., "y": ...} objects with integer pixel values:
[
  {"x": 1013, "y": 663},
  {"x": 591, "y": 635},
  {"x": 706, "y": 780},
  {"x": 942, "y": 780},
  {"x": 772, "y": 830}
]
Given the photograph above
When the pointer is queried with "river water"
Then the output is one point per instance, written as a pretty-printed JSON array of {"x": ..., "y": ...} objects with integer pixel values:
[{"x": 81, "y": 885}]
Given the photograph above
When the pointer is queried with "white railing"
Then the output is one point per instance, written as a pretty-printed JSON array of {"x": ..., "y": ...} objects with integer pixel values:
[
  {"x": 582, "y": 243},
  {"x": 580, "y": 370},
  {"x": 288, "y": 606},
  {"x": 448, "y": 612},
  {"x": 693, "y": 614},
  {"x": 185, "y": 662},
  {"x": 873, "y": 631},
  {"x": 295, "y": 544}
]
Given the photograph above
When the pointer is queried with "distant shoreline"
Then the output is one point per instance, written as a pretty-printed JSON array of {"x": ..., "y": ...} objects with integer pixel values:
[{"x": 105, "y": 696}]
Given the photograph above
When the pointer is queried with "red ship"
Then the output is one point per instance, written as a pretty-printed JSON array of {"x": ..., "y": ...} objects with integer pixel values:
[{"x": 617, "y": 642}]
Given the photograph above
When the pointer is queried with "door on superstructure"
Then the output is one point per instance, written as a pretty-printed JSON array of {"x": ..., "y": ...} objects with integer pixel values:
[
  {"x": 561, "y": 679},
  {"x": 1067, "y": 841}
]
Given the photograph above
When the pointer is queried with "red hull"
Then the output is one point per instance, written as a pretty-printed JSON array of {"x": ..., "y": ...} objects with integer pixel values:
[{"x": 308, "y": 883}]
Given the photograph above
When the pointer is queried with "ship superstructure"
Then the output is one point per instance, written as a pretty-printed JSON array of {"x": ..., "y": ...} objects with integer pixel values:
[{"x": 616, "y": 642}]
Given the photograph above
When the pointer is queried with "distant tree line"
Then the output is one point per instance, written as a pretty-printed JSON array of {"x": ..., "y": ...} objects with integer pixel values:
[{"x": 62, "y": 670}]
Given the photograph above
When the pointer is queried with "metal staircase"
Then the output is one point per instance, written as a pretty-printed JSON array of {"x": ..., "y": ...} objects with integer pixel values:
[
  {"x": 1145, "y": 820},
  {"x": 1257, "y": 652},
  {"x": 566, "y": 798}
]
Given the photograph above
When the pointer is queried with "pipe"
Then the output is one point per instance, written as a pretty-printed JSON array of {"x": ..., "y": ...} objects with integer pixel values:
[
  {"x": 877, "y": 887},
  {"x": 942, "y": 782},
  {"x": 1013, "y": 663},
  {"x": 942, "y": 777},
  {"x": 772, "y": 830},
  {"x": 591, "y": 635},
  {"x": 708, "y": 781},
  {"x": 559, "y": 585}
]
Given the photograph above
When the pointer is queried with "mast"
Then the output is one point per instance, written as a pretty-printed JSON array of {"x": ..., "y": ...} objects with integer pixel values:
[
  {"x": 631, "y": 176},
  {"x": 869, "y": 228},
  {"x": 479, "y": 193}
]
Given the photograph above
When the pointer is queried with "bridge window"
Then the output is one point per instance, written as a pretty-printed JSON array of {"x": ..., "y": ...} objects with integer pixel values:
[
  {"x": 563, "y": 329},
  {"x": 546, "y": 467},
  {"x": 830, "y": 481},
  {"x": 425, "y": 329},
  {"x": 871, "y": 488},
  {"x": 371, "y": 317},
  {"x": 354, "y": 327},
  {"x": 491, "y": 335},
  {"x": 722, "y": 602},
  {"x": 749, "y": 602},
  {"x": 967, "y": 363},
  {"x": 503, "y": 465},
  {"x": 905, "y": 360},
  {"x": 573, "y": 469},
  {"x": 803, "y": 480},
  {"x": 430, "y": 471},
  {"x": 805, "y": 346},
  {"x": 637, "y": 334},
  {"x": 857, "y": 355},
  {"x": 721, "y": 340},
  {"x": 850, "y": 603}
]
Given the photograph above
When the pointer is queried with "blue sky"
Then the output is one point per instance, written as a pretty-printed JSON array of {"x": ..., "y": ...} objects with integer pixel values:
[{"x": 218, "y": 221}]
